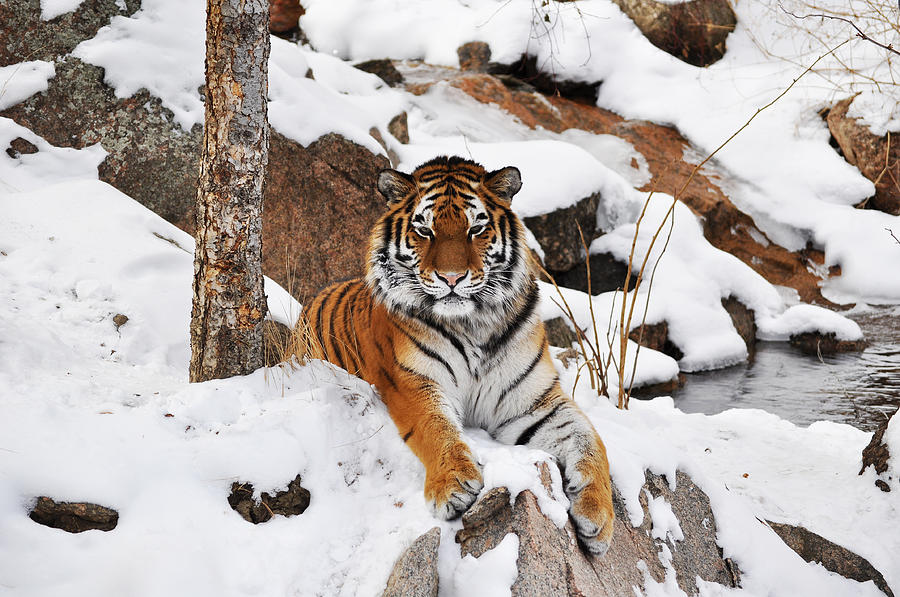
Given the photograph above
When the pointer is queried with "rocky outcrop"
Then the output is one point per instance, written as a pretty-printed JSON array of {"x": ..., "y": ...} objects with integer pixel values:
[
  {"x": 326, "y": 186},
  {"x": 551, "y": 563},
  {"x": 560, "y": 333},
  {"x": 28, "y": 37},
  {"x": 877, "y": 454},
  {"x": 415, "y": 574},
  {"x": 73, "y": 517},
  {"x": 149, "y": 157},
  {"x": 558, "y": 233},
  {"x": 656, "y": 337},
  {"x": 474, "y": 56},
  {"x": 840, "y": 560},
  {"x": 292, "y": 501},
  {"x": 817, "y": 343},
  {"x": 665, "y": 150},
  {"x": 284, "y": 15},
  {"x": 383, "y": 69},
  {"x": 693, "y": 31},
  {"x": 743, "y": 319},
  {"x": 606, "y": 273},
  {"x": 878, "y": 158}
]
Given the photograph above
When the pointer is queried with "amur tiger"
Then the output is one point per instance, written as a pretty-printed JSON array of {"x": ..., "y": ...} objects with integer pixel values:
[{"x": 445, "y": 326}]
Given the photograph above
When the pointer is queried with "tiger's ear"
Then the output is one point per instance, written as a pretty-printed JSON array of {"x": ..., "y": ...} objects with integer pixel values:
[
  {"x": 504, "y": 183},
  {"x": 395, "y": 185}
]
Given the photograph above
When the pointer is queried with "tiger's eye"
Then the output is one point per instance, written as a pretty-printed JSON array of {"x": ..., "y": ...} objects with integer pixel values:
[
  {"x": 476, "y": 230},
  {"x": 423, "y": 231}
]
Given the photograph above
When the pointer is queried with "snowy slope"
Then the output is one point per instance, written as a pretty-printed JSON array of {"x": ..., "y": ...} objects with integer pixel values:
[
  {"x": 86, "y": 417},
  {"x": 84, "y": 405}
]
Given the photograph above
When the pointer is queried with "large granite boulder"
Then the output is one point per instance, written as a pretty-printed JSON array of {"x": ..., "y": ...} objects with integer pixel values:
[
  {"x": 26, "y": 36},
  {"x": 326, "y": 186},
  {"x": 550, "y": 561}
]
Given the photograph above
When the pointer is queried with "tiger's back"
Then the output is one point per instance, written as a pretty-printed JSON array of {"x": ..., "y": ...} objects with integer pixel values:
[{"x": 445, "y": 326}]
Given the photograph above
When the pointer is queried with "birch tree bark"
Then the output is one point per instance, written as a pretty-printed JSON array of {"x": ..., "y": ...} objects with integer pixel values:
[{"x": 229, "y": 303}]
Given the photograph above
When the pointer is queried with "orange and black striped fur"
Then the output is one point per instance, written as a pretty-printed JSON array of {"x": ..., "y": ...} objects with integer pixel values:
[{"x": 445, "y": 326}]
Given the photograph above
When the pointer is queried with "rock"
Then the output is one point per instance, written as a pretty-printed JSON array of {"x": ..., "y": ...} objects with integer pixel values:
[
  {"x": 877, "y": 454},
  {"x": 656, "y": 336},
  {"x": 840, "y": 560},
  {"x": 415, "y": 574},
  {"x": 817, "y": 343},
  {"x": 607, "y": 273},
  {"x": 284, "y": 15},
  {"x": 399, "y": 128},
  {"x": 290, "y": 502},
  {"x": 557, "y": 233},
  {"x": 73, "y": 517},
  {"x": 326, "y": 186},
  {"x": 878, "y": 158},
  {"x": 28, "y": 37},
  {"x": 150, "y": 157},
  {"x": 474, "y": 56},
  {"x": 744, "y": 320},
  {"x": 560, "y": 332},
  {"x": 665, "y": 151},
  {"x": 384, "y": 69},
  {"x": 526, "y": 70},
  {"x": 693, "y": 31},
  {"x": 551, "y": 563},
  {"x": 663, "y": 388},
  {"x": 19, "y": 147},
  {"x": 329, "y": 186}
]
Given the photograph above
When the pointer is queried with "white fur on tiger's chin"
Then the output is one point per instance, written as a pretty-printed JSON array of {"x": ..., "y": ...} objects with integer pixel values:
[{"x": 453, "y": 307}]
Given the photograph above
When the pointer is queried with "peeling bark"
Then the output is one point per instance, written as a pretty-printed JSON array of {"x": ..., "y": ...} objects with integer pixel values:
[{"x": 229, "y": 304}]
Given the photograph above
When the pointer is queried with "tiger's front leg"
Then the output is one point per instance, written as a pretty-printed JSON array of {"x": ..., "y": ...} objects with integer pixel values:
[
  {"x": 452, "y": 478},
  {"x": 556, "y": 425}
]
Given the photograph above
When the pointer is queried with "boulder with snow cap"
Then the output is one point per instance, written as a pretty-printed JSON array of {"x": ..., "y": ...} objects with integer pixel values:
[
  {"x": 677, "y": 535},
  {"x": 693, "y": 31},
  {"x": 877, "y": 157}
]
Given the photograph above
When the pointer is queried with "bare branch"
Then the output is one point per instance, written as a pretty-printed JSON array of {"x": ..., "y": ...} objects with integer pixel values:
[{"x": 859, "y": 32}]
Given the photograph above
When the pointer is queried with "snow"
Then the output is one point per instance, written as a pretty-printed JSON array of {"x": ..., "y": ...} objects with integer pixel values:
[
  {"x": 50, "y": 9},
  {"x": 87, "y": 404},
  {"x": 493, "y": 573},
  {"x": 20, "y": 81},
  {"x": 46, "y": 166},
  {"x": 86, "y": 409}
]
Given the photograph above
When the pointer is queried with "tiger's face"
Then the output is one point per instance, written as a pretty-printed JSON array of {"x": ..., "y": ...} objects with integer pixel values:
[{"x": 449, "y": 243}]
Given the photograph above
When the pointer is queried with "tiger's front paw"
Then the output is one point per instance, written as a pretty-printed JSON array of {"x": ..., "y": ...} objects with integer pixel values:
[
  {"x": 590, "y": 494},
  {"x": 454, "y": 485}
]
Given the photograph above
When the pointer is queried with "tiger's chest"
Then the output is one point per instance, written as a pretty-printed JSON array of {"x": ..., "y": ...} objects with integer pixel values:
[{"x": 482, "y": 383}]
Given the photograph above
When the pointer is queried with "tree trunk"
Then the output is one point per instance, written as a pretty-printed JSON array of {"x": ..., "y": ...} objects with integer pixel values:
[{"x": 229, "y": 303}]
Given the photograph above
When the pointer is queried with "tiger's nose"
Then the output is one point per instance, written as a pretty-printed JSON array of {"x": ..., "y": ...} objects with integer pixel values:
[{"x": 451, "y": 278}]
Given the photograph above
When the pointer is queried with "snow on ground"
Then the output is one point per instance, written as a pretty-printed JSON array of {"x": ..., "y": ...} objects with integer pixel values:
[
  {"x": 85, "y": 404},
  {"x": 96, "y": 413}
]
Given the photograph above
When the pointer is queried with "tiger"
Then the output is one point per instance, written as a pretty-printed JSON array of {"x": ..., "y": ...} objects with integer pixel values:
[{"x": 445, "y": 326}]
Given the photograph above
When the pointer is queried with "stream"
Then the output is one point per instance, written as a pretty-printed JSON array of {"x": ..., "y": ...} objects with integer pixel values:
[{"x": 860, "y": 389}]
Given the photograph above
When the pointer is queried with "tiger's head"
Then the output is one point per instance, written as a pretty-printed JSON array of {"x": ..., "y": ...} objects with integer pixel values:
[{"x": 449, "y": 243}]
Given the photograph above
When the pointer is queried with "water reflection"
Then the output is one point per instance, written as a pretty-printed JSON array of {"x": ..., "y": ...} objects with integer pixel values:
[{"x": 858, "y": 389}]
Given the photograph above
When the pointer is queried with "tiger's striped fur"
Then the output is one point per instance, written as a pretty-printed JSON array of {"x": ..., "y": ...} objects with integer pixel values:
[{"x": 445, "y": 326}]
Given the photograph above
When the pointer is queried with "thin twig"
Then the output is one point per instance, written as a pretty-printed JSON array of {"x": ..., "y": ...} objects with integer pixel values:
[{"x": 859, "y": 32}]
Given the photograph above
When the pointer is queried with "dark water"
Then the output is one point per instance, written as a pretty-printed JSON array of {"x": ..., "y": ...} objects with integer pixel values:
[{"x": 860, "y": 389}]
